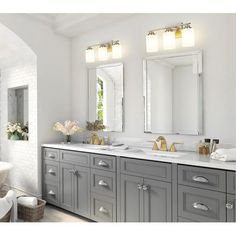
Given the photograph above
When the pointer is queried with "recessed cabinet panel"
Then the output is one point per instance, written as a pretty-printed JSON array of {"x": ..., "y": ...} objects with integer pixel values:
[
  {"x": 149, "y": 169},
  {"x": 103, "y": 208},
  {"x": 157, "y": 201},
  {"x": 51, "y": 171},
  {"x": 206, "y": 178},
  {"x": 78, "y": 158},
  {"x": 231, "y": 182},
  {"x": 103, "y": 182},
  {"x": 51, "y": 193},
  {"x": 67, "y": 186},
  {"x": 131, "y": 199},
  {"x": 201, "y": 205}
]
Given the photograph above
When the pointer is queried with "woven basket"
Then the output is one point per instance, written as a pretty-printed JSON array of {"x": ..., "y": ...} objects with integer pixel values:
[
  {"x": 31, "y": 214},
  {"x": 7, "y": 217}
]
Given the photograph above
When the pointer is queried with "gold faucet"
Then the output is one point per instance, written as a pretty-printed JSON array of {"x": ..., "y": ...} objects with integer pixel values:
[{"x": 163, "y": 146}]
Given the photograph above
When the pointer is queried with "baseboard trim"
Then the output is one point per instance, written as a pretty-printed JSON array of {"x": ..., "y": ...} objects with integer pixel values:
[{"x": 22, "y": 191}]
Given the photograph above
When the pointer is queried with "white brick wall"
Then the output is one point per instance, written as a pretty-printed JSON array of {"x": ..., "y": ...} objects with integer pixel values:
[{"x": 22, "y": 154}]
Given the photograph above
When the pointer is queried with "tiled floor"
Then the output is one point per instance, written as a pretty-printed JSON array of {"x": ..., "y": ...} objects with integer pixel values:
[{"x": 54, "y": 214}]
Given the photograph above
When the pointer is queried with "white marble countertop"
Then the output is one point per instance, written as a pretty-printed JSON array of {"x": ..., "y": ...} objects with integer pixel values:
[{"x": 186, "y": 158}]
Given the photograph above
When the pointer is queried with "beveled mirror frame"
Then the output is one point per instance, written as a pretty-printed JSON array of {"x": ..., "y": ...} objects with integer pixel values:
[{"x": 199, "y": 70}]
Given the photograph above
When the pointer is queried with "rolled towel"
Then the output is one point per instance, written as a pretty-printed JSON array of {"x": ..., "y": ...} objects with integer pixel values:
[
  {"x": 28, "y": 201},
  {"x": 224, "y": 154}
]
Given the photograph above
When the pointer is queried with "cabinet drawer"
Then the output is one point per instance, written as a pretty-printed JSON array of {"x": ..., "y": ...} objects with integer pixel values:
[
  {"x": 103, "y": 162},
  {"x": 149, "y": 169},
  {"x": 206, "y": 178},
  {"x": 231, "y": 182},
  {"x": 51, "y": 193},
  {"x": 78, "y": 158},
  {"x": 103, "y": 182},
  {"x": 201, "y": 205},
  {"x": 50, "y": 154},
  {"x": 51, "y": 171},
  {"x": 103, "y": 208}
]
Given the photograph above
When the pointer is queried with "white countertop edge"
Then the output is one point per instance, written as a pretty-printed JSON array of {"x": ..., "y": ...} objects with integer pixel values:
[{"x": 191, "y": 158}]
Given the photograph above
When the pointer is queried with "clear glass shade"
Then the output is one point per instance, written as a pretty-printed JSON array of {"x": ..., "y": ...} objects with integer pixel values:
[
  {"x": 151, "y": 42},
  {"x": 89, "y": 54},
  {"x": 169, "y": 40},
  {"x": 188, "y": 37},
  {"x": 116, "y": 51},
  {"x": 102, "y": 53}
]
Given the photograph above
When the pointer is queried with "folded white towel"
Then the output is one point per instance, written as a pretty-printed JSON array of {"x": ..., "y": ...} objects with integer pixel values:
[
  {"x": 224, "y": 154},
  {"x": 28, "y": 201},
  {"x": 8, "y": 202}
]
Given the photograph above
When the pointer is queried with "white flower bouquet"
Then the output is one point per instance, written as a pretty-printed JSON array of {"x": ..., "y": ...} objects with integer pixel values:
[
  {"x": 68, "y": 128},
  {"x": 14, "y": 130}
]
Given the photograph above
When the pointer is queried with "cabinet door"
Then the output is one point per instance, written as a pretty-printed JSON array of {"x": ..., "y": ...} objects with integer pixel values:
[
  {"x": 82, "y": 191},
  {"x": 66, "y": 186},
  {"x": 131, "y": 199},
  {"x": 231, "y": 209},
  {"x": 157, "y": 201}
]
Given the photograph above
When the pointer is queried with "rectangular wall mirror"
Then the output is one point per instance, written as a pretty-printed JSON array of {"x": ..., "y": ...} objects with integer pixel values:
[
  {"x": 106, "y": 95},
  {"x": 18, "y": 110},
  {"x": 173, "y": 93}
]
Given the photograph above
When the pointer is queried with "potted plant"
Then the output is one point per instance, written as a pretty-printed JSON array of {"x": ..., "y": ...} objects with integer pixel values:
[{"x": 68, "y": 128}]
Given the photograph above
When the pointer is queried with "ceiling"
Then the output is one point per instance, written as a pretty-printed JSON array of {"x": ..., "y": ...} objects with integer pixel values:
[{"x": 74, "y": 24}]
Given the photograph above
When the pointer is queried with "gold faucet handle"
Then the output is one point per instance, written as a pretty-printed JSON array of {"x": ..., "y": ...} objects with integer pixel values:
[
  {"x": 155, "y": 145},
  {"x": 173, "y": 148}
]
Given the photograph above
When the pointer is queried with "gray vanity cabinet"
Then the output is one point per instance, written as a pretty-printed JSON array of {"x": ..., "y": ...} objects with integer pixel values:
[
  {"x": 74, "y": 189},
  {"x": 143, "y": 196}
]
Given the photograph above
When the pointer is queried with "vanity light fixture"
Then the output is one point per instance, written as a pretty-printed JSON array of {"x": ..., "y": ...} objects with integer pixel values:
[
  {"x": 188, "y": 39},
  {"x": 169, "y": 39},
  {"x": 151, "y": 42},
  {"x": 116, "y": 50},
  {"x": 89, "y": 54},
  {"x": 103, "y": 51},
  {"x": 183, "y": 32}
]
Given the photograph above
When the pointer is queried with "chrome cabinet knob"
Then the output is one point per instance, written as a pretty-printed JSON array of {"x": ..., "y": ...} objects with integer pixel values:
[
  {"x": 145, "y": 187},
  {"x": 140, "y": 186},
  {"x": 200, "y": 179},
  {"x": 102, "y": 163},
  {"x": 51, "y": 193},
  {"x": 74, "y": 172},
  {"x": 103, "y": 210},
  {"x": 102, "y": 183},
  {"x": 51, "y": 171},
  {"x": 200, "y": 206},
  {"x": 229, "y": 205}
]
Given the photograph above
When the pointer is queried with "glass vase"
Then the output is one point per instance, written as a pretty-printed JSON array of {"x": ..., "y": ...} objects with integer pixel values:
[{"x": 68, "y": 138}]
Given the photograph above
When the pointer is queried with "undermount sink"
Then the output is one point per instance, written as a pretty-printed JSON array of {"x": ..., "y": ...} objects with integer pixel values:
[{"x": 165, "y": 154}]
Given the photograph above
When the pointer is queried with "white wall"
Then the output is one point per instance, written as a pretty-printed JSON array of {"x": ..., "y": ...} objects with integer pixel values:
[
  {"x": 215, "y": 35},
  {"x": 53, "y": 85}
]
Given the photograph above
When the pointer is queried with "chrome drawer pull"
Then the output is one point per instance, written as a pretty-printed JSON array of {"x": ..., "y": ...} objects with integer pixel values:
[
  {"x": 229, "y": 205},
  {"x": 145, "y": 187},
  {"x": 200, "y": 206},
  {"x": 103, "y": 210},
  {"x": 51, "y": 171},
  {"x": 74, "y": 172},
  {"x": 139, "y": 186},
  {"x": 51, "y": 156},
  {"x": 102, "y": 183},
  {"x": 200, "y": 179},
  {"x": 51, "y": 193},
  {"x": 102, "y": 163}
]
